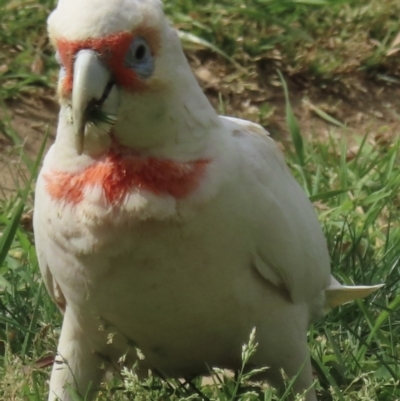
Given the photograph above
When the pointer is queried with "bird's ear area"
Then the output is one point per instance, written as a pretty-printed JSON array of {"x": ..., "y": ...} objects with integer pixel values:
[{"x": 112, "y": 50}]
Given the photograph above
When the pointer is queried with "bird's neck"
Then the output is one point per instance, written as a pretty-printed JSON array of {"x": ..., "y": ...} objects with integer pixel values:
[{"x": 177, "y": 121}]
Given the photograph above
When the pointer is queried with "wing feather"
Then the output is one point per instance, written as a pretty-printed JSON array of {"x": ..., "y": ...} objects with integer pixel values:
[{"x": 289, "y": 248}]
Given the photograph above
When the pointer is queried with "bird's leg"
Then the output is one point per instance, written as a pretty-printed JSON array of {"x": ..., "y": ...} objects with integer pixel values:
[
  {"x": 289, "y": 353},
  {"x": 304, "y": 379},
  {"x": 77, "y": 369},
  {"x": 302, "y": 383}
]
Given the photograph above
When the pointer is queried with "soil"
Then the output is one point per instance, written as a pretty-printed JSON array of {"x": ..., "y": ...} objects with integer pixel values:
[
  {"x": 29, "y": 117},
  {"x": 366, "y": 107}
]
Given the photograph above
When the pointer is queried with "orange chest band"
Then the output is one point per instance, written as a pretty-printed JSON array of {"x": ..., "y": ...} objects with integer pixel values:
[{"x": 117, "y": 177}]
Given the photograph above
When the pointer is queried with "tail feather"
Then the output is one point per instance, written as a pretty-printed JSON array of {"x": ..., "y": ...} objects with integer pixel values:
[{"x": 337, "y": 294}]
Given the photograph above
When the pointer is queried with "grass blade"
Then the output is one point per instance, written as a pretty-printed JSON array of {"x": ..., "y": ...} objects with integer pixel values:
[{"x": 293, "y": 125}]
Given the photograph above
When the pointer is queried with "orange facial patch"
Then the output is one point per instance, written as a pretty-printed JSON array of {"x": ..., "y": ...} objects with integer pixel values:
[
  {"x": 118, "y": 176},
  {"x": 112, "y": 50}
]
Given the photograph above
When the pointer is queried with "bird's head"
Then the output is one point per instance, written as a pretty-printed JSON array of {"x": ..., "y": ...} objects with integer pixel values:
[{"x": 123, "y": 75}]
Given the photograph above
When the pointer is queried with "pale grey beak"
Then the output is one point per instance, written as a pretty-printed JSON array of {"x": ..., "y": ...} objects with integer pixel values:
[{"x": 92, "y": 85}]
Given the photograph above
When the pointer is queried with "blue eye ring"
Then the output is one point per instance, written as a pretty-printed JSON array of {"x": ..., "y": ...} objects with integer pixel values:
[{"x": 140, "y": 58}]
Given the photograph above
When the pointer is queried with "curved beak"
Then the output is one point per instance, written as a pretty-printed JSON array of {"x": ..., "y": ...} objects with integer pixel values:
[{"x": 92, "y": 84}]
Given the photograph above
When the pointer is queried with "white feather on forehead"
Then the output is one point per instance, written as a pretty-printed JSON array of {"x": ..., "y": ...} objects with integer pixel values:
[{"x": 82, "y": 19}]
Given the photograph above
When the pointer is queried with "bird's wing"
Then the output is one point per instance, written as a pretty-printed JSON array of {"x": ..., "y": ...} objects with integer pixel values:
[
  {"x": 41, "y": 243},
  {"x": 288, "y": 246},
  {"x": 248, "y": 126}
]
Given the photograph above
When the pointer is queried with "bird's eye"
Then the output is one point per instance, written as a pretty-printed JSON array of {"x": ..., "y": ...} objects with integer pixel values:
[
  {"x": 141, "y": 51},
  {"x": 140, "y": 58}
]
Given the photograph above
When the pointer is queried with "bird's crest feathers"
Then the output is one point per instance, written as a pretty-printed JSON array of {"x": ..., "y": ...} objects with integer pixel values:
[{"x": 89, "y": 18}]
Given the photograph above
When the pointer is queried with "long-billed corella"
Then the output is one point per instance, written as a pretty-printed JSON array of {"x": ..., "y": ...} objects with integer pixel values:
[{"x": 163, "y": 225}]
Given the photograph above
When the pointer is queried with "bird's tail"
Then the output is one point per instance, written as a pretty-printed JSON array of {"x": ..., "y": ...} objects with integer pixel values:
[{"x": 337, "y": 294}]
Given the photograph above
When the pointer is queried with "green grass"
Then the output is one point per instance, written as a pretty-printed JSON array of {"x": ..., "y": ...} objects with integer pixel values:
[{"x": 355, "y": 348}]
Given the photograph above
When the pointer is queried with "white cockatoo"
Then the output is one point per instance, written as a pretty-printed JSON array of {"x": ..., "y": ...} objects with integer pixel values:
[{"x": 163, "y": 226}]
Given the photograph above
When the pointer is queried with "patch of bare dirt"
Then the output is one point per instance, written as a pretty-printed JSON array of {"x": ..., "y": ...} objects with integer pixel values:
[
  {"x": 358, "y": 105},
  {"x": 29, "y": 118}
]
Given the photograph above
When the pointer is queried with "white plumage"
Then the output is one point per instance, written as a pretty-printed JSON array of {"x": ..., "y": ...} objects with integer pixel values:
[{"x": 169, "y": 228}]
